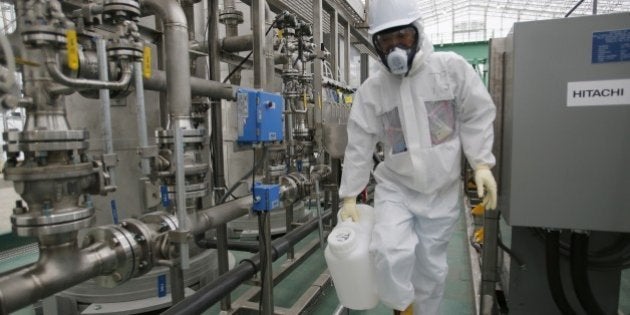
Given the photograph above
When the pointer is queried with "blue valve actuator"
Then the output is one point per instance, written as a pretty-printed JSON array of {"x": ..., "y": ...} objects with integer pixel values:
[
  {"x": 260, "y": 116},
  {"x": 266, "y": 197}
]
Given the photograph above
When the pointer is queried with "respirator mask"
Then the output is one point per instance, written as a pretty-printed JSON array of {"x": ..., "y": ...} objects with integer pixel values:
[{"x": 397, "y": 47}]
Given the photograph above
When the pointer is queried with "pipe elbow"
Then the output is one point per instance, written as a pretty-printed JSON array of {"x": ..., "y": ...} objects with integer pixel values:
[{"x": 168, "y": 10}]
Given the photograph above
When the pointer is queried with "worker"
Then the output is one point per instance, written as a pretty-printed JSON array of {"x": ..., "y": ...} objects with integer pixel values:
[{"x": 425, "y": 107}]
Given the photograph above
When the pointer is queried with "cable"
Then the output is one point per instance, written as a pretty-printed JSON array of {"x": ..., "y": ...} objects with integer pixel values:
[
  {"x": 506, "y": 249},
  {"x": 244, "y": 177},
  {"x": 612, "y": 257},
  {"x": 510, "y": 253},
  {"x": 579, "y": 274},
  {"x": 238, "y": 67},
  {"x": 554, "y": 278},
  {"x": 573, "y": 9}
]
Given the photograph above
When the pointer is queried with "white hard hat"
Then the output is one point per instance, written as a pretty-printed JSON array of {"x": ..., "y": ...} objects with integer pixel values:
[{"x": 384, "y": 14}]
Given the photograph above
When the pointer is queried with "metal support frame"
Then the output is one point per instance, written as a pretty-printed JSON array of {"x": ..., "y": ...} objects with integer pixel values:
[
  {"x": 258, "y": 22},
  {"x": 317, "y": 63},
  {"x": 289, "y": 226},
  {"x": 365, "y": 67},
  {"x": 489, "y": 276},
  {"x": 334, "y": 43},
  {"x": 106, "y": 128},
  {"x": 346, "y": 55},
  {"x": 266, "y": 268},
  {"x": 216, "y": 115},
  {"x": 143, "y": 137}
]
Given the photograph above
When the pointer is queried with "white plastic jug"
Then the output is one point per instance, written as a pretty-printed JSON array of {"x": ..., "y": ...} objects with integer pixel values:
[{"x": 349, "y": 261}]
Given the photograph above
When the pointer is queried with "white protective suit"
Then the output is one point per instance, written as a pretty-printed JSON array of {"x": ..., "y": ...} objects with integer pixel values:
[{"x": 424, "y": 120}]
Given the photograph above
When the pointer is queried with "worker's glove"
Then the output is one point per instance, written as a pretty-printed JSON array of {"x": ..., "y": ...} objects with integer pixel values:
[
  {"x": 349, "y": 209},
  {"x": 486, "y": 184}
]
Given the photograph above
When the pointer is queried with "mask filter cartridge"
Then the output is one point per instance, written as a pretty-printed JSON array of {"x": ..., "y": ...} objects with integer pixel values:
[{"x": 397, "y": 61}]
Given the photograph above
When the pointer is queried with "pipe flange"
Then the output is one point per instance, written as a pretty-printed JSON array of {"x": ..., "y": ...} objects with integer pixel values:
[
  {"x": 231, "y": 16},
  {"x": 170, "y": 133},
  {"x": 42, "y": 223},
  {"x": 288, "y": 188},
  {"x": 189, "y": 135},
  {"x": 50, "y": 172},
  {"x": 128, "y": 253},
  {"x": 39, "y": 141},
  {"x": 144, "y": 236},
  {"x": 306, "y": 78},
  {"x": 192, "y": 190},
  {"x": 277, "y": 170},
  {"x": 40, "y": 35},
  {"x": 123, "y": 52},
  {"x": 124, "y": 47},
  {"x": 301, "y": 134},
  {"x": 118, "y": 10},
  {"x": 302, "y": 184},
  {"x": 47, "y": 136},
  {"x": 46, "y": 146},
  {"x": 187, "y": 140},
  {"x": 290, "y": 74},
  {"x": 291, "y": 94},
  {"x": 163, "y": 221}
]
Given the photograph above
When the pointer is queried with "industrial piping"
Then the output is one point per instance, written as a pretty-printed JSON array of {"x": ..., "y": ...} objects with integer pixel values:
[
  {"x": 63, "y": 264},
  {"x": 60, "y": 266},
  {"x": 210, "y": 218},
  {"x": 198, "y": 86},
  {"x": 177, "y": 58},
  {"x": 59, "y": 77}
]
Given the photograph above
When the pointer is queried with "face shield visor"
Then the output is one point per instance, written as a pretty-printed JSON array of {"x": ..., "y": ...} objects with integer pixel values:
[{"x": 397, "y": 47}]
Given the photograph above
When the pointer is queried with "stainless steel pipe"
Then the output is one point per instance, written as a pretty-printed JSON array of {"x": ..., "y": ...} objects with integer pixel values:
[
  {"x": 141, "y": 117},
  {"x": 60, "y": 266},
  {"x": 238, "y": 43},
  {"x": 53, "y": 68},
  {"x": 177, "y": 58},
  {"x": 198, "y": 87},
  {"x": 106, "y": 122},
  {"x": 210, "y": 218},
  {"x": 258, "y": 27},
  {"x": 231, "y": 44}
]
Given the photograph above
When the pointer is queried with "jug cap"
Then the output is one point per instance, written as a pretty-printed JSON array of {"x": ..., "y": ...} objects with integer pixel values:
[{"x": 342, "y": 239}]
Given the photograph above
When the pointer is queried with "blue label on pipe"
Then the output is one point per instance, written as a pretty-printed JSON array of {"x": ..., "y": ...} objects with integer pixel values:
[
  {"x": 611, "y": 46},
  {"x": 161, "y": 285},
  {"x": 114, "y": 212},
  {"x": 164, "y": 192},
  {"x": 299, "y": 165}
]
